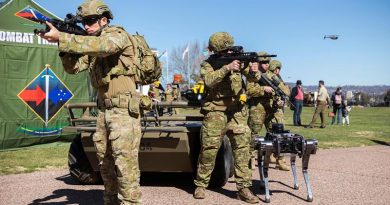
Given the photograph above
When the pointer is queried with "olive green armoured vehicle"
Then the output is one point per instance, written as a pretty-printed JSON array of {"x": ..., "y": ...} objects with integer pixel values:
[{"x": 169, "y": 143}]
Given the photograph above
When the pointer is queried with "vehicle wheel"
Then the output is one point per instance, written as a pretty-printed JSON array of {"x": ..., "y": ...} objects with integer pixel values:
[
  {"x": 79, "y": 167},
  {"x": 224, "y": 167}
]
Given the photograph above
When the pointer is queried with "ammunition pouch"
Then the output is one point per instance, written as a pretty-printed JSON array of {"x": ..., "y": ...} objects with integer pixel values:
[
  {"x": 125, "y": 100},
  {"x": 145, "y": 102},
  {"x": 210, "y": 106}
]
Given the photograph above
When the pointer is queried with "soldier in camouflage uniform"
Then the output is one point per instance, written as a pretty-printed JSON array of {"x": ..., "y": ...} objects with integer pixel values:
[
  {"x": 107, "y": 53},
  {"x": 274, "y": 68},
  {"x": 176, "y": 97},
  {"x": 169, "y": 97},
  {"x": 154, "y": 91},
  {"x": 225, "y": 112},
  {"x": 263, "y": 105}
]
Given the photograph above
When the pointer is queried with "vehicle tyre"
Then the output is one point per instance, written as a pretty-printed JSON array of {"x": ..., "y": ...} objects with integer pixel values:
[
  {"x": 79, "y": 167},
  {"x": 224, "y": 165}
]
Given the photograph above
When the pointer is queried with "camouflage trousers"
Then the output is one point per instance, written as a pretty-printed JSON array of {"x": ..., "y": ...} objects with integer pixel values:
[
  {"x": 262, "y": 113},
  {"x": 215, "y": 125},
  {"x": 117, "y": 141}
]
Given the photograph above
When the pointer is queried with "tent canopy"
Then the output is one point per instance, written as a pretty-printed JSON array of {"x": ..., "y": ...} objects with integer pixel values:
[{"x": 23, "y": 58}]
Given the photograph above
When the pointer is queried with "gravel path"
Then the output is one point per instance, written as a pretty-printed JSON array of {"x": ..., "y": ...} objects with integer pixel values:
[{"x": 338, "y": 176}]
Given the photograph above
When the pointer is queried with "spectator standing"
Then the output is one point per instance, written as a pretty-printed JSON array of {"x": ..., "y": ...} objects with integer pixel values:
[
  {"x": 297, "y": 100},
  {"x": 337, "y": 101},
  {"x": 346, "y": 110},
  {"x": 322, "y": 105}
]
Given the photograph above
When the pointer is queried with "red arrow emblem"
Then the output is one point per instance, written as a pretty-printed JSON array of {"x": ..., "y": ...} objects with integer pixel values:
[{"x": 36, "y": 95}]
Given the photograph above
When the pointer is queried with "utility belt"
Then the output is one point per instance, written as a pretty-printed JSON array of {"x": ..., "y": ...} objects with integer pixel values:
[
  {"x": 225, "y": 102},
  {"x": 130, "y": 101},
  {"x": 321, "y": 102},
  {"x": 256, "y": 100}
]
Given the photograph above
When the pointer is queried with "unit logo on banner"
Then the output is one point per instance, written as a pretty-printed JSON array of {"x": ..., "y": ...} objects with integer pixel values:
[{"x": 46, "y": 95}]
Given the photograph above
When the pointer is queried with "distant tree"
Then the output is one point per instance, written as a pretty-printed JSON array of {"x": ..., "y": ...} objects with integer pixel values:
[
  {"x": 190, "y": 64},
  {"x": 362, "y": 98},
  {"x": 386, "y": 98}
]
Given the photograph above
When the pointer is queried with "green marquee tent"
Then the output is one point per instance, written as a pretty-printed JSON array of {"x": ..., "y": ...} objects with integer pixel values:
[{"x": 32, "y": 97}]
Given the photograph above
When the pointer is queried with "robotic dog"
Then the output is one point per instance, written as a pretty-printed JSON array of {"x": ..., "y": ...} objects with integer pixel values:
[{"x": 280, "y": 141}]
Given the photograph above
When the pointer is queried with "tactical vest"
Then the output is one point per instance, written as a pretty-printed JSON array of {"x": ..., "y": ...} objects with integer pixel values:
[
  {"x": 102, "y": 69},
  {"x": 231, "y": 85},
  {"x": 169, "y": 95},
  {"x": 226, "y": 94}
]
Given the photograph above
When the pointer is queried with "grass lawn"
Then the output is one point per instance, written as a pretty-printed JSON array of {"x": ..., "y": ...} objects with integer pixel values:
[
  {"x": 35, "y": 158},
  {"x": 369, "y": 126}
]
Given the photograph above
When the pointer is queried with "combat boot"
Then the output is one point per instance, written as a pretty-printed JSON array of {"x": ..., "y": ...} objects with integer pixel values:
[
  {"x": 111, "y": 200},
  {"x": 281, "y": 164},
  {"x": 246, "y": 195},
  {"x": 200, "y": 193},
  {"x": 272, "y": 159}
]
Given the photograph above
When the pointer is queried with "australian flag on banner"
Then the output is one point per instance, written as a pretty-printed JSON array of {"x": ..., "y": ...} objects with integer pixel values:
[{"x": 46, "y": 95}]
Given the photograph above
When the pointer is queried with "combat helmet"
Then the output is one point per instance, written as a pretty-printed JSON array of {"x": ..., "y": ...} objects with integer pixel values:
[
  {"x": 274, "y": 64},
  {"x": 94, "y": 8},
  {"x": 220, "y": 41},
  {"x": 263, "y": 59}
]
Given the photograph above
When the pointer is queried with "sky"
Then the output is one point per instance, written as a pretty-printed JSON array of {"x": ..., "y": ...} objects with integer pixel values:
[{"x": 293, "y": 30}]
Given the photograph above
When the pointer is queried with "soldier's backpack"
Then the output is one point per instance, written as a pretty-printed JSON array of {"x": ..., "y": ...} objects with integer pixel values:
[{"x": 147, "y": 63}]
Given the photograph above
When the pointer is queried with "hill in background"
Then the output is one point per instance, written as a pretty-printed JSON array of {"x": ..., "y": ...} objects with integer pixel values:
[{"x": 371, "y": 90}]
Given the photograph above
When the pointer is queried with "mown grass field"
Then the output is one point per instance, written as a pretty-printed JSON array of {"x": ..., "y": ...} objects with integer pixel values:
[{"x": 369, "y": 126}]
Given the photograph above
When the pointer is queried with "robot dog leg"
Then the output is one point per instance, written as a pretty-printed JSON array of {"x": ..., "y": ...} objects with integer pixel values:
[{"x": 280, "y": 141}]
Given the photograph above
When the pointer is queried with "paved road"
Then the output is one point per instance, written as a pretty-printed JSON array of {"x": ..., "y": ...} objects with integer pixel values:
[{"x": 338, "y": 176}]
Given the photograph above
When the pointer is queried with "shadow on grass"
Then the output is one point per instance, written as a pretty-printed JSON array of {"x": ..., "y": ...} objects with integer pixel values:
[{"x": 381, "y": 142}]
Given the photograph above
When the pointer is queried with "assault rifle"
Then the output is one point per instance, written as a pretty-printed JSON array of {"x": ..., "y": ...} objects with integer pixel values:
[
  {"x": 274, "y": 83},
  {"x": 192, "y": 97},
  {"x": 235, "y": 53},
  {"x": 68, "y": 25}
]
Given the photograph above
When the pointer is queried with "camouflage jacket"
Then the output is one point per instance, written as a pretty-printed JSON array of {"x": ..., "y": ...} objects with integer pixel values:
[
  {"x": 155, "y": 93},
  {"x": 256, "y": 90},
  {"x": 108, "y": 58},
  {"x": 223, "y": 87},
  {"x": 169, "y": 95}
]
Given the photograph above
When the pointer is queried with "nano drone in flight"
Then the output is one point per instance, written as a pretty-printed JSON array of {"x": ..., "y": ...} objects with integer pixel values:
[{"x": 333, "y": 37}]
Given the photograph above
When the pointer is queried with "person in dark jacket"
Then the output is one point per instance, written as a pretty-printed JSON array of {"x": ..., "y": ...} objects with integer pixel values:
[
  {"x": 337, "y": 101},
  {"x": 296, "y": 98}
]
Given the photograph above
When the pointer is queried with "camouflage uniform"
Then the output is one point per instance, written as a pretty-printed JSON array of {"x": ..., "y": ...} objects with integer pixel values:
[
  {"x": 278, "y": 111},
  {"x": 108, "y": 58},
  {"x": 225, "y": 113},
  {"x": 263, "y": 109},
  {"x": 169, "y": 94},
  {"x": 169, "y": 97},
  {"x": 155, "y": 93},
  {"x": 259, "y": 107},
  {"x": 176, "y": 97}
]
